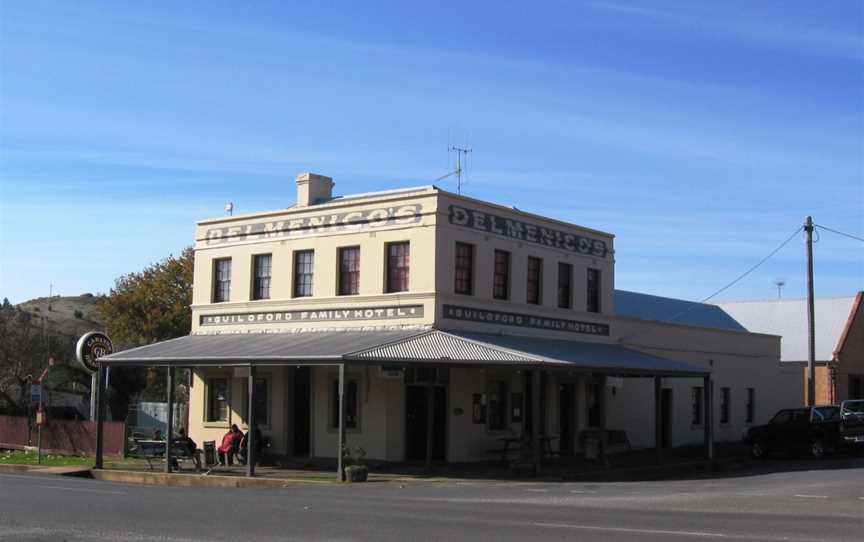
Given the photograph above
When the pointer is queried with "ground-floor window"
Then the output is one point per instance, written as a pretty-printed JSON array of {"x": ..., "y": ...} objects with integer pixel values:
[
  {"x": 352, "y": 405},
  {"x": 697, "y": 404},
  {"x": 497, "y": 405},
  {"x": 217, "y": 399},
  {"x": 856, "y": 387}
]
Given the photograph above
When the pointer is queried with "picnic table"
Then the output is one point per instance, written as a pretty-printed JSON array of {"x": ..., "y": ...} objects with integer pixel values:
[{"x": 515, "y": 445}]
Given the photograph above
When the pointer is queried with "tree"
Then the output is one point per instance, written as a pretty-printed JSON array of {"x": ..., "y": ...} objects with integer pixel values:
[
  {"x": 143, "y": 308},
  {"x": 150, "y": 306}
]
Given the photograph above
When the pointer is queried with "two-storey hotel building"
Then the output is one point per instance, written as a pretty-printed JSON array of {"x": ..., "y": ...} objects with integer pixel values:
[{"x": 423, "y": 325}]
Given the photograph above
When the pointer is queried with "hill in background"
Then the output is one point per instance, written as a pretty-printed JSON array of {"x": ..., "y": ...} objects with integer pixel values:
[{"x": 66, "y": 316}]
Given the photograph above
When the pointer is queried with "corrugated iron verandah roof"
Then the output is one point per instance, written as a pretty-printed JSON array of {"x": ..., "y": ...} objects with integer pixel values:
[{"x": 400, "y": 347}]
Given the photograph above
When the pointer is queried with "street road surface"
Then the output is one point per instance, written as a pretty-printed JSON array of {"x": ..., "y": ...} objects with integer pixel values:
[{"x": 797, "y": 506}]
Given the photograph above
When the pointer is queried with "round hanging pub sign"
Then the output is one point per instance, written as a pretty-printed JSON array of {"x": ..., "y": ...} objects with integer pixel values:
[{"x": 92, "y": 346}]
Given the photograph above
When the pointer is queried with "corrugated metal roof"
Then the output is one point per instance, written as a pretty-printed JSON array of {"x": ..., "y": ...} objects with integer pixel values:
[
  {"x": 673, "y": 311},
  {"x": 788, "y": 318},
  {"x": 585, "y": 355},
  {"x": 247, "y": 347},
  {"x": 408, "y": 346},
  {"x": 442, "y": 346}
]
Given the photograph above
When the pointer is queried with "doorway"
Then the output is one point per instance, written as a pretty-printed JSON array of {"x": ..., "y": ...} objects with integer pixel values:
[
  {"x": 567, "y": 417},
  {"x": 416, "y": 420},
  {"x": 666, "y": 415},
  {"x": 302, "y": 411}
]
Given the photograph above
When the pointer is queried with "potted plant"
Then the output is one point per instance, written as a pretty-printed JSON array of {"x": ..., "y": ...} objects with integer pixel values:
[{"x": 355, "y": 470}]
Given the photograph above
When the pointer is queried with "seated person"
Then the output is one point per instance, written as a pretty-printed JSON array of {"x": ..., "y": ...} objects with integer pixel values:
[
  {"x": 244, "y": 446},
  {"x": 186, "y": 446},
  {"x": 230, "y": 445}
]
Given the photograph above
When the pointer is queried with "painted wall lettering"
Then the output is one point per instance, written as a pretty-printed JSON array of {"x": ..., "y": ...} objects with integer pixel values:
[
  {"x": 319, "y": 315},
  {"x": 524, "y": 320},
  {"x": 525, "y": 231}
]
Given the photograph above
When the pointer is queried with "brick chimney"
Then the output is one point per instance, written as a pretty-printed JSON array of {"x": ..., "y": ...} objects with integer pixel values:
[{"x": 313, "y": 189}]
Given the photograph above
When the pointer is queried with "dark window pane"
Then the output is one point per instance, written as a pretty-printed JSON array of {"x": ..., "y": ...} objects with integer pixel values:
[
  {"x": 222, "y": 283},
  {"x": 501, "y": 276},
  {"x": 565, "y": 278},
  {"x": 725, "y": 397},
  {"x": 751, "y": 404},
  {"x": 349, "y": 271},
  {"x": 398, "y": 264},
  {"x": 262, "y": 264},
  {"x": 464, "y": 268},
  {"x": 535, "y": 272},
  {"x": 217, "y": 399},
  {"x": 593, "y": 290},
  {"x": 304, "y": 261},
  {"x": 696, "y": 406}
]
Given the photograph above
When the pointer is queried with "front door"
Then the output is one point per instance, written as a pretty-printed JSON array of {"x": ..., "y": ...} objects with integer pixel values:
[
  {"x": 302, "y": 411},
  {"x": 666, "y": 414},
  {"x": 416, "y": 419}
]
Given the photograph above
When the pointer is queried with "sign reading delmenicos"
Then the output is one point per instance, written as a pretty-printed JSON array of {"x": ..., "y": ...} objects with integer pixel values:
[
  {"x": 321, "y": 315},
  {"x": 92, "y": 346},
  {"x": 524, "y": 320},
  {"x": 525, "y": 231},
  {"x": 311, "y": 225}
]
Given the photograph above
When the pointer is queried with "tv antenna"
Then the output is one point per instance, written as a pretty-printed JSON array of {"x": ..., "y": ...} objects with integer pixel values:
[
  {"x": 779, "y": 284},
  {"x": 461, "y": 153},
  {"x": 229, "y": 208}
]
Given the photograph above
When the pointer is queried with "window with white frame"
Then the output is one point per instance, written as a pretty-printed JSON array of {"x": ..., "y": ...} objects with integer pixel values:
[{"x": 217, "y": 399}]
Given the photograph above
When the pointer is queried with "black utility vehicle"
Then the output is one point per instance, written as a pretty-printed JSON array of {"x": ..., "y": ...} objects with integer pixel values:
[
  {"x": 813, "y": 430},
  {"x": 852, "y": 424}
]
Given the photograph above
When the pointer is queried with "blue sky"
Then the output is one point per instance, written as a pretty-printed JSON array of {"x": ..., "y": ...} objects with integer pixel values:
[{"x": 700, "y": 133}]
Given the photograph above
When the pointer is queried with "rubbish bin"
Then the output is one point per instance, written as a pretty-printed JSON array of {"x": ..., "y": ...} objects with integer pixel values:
[{"x": 209, "y": 452}]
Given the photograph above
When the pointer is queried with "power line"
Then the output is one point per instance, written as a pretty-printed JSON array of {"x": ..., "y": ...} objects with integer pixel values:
[
  {"x": 849, "y": 235},
  {"x": 763, "y": 260}
]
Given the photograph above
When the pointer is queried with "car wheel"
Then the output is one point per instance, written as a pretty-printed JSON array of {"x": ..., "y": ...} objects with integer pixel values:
[
  {"x": 758, "y": 450},
  {"x": 817, "y": 448}
]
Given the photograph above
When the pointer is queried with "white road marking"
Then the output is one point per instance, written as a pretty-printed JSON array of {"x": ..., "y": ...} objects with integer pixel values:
[
  {"x": 66, "y": 488},
  {"x": 632, "y": 530},
  {"x": 812, "y": 496},
  {"x": 537, "y": 490}
]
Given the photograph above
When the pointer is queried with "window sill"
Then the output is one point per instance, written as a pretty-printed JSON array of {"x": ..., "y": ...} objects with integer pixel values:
[{"x": 217, "y": 425}]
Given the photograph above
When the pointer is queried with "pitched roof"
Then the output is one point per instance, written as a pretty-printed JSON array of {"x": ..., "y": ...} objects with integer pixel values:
[
  {"x": 675, "y": 311},
  {"x": 788, "y": 318}
]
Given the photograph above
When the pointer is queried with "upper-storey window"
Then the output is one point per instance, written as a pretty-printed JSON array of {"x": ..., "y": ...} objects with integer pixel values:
[
  {"x": 535, "y": 272},
  {"x": 304, "y": 262},
  {"x": 349, "y": 271},
  {"x": 398, "y": 265},
  {"x": 222, "y": 282},
  {"x": 593, "y": 290},
  {"x": 464, "y": 268},
  {"x": 501, "y": 276},
  {"x": 565, "y": 279},
  {"x": 262, "y": 265}
]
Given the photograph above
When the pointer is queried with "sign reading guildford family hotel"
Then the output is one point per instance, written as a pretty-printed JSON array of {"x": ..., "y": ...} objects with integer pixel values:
[
  {"x": 523, "y": 320},
  {"x": 525, "y": 231},
  {"x": 322, "y": 315}
]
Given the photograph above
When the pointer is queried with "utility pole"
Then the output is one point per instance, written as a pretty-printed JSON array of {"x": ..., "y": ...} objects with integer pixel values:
[{"x": 811, "y": 318}]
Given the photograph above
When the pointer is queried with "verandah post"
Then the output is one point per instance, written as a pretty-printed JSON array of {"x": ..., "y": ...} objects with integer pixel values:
[
  {"x": 535, "y": 420},
  {"x": 250, "y": 423},
  {"x": 340, "y": 474},
  {"x": 709, "y": 418},
  {"x": 658, "y": 418},
  {"x": 430, "y": 419},
  {"x": 601, "y": 411},
  {"x": 169, "y": 433}
]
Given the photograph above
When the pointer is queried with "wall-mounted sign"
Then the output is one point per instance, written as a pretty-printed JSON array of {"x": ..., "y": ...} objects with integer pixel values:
[
  {"x": 523, "y": 320},
  {"x": 92, "y": 346},
  {"x": 525, "y": 231},
  {"x": 311, "y": 225},
  {"x": 321, "y": 315}
]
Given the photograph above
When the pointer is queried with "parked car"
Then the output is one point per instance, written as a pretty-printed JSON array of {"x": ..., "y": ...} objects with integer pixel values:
[
  {"x": 852, "y": 424},
  {"x": 813, "y": 430}
]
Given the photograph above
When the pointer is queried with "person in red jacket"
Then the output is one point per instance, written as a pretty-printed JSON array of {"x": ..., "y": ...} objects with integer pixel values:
[{"x": 230, "y": 445}]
